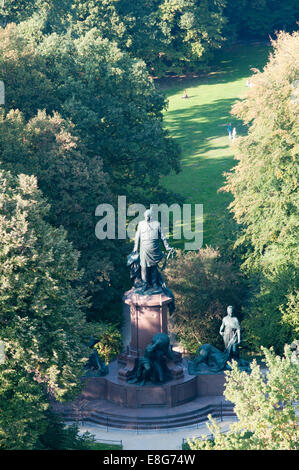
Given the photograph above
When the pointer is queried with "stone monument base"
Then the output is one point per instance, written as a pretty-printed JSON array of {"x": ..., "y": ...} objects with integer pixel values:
[
  {"x": 111, "y": 415},
  {"x": 170, "y": 394},
  {"x": 113, "y": 388},
  {"x": 107, "y": 401}
]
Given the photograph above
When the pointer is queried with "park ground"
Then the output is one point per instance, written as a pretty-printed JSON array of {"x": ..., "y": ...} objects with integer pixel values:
[
  {"x": 199, "y": 126},
  {"x": 151, "y": 440}
]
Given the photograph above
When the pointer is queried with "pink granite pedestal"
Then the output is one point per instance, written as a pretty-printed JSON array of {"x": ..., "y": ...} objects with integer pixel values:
[{"x": 148, "y": 316}]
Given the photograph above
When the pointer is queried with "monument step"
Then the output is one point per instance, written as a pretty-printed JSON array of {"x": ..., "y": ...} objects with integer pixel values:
[
  {"x": 150, "y": 426},
  {"x": 151, "y": 423},
  {"x": 205, "y": 410}
]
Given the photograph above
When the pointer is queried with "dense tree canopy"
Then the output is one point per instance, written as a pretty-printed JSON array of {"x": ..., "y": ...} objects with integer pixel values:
[
  {"x": 54, "y": 13},
  {"x": 42, "y": 321},
  {"x": 265, "y": 188},
  {"x": 169, "y": 35},
  {"x": 107, "y": 139},
  {"x": 260, "y": 18},
  {"x": 114, "y": 106},
  {"x": 74, "y": 185}
]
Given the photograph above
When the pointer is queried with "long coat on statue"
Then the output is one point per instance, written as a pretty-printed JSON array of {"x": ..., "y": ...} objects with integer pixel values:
[{"x": 148, "y": 235}]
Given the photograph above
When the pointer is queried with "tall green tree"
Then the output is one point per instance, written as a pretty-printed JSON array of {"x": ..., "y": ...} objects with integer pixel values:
[
  {"x": 114, "y": 106},
  {"x": 74, "y": 185},
  {"x": 264, "y": 185},
  {"x": 192, "y": 29},
  {"x": 169, "y": 35},
  {"x": 106, "y": 140},
  {"x": 55, "y": 14},
  {"x": 42, "y": 321},
  {"x": 265, "y": 405}
]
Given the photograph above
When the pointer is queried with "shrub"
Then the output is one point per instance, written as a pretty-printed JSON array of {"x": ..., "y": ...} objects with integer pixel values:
[{"x": 203, "y": 285}]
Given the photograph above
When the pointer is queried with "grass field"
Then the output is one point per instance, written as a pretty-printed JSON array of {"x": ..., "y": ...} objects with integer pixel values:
[
  {"x": 104, "y": 446},
  {"x": 198, "y": 124}
]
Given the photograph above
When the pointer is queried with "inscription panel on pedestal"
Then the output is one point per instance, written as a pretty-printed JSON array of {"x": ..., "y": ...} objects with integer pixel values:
[
  {"x": 117, "y": 393},
  {"x": 184, "y": 392},
  {"x": 151, "y": 396}
]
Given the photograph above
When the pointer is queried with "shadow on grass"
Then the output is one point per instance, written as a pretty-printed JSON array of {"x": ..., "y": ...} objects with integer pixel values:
[
  {"x": 199, "y": 183},
  {"x": 197, "y": 125},
  {"x": 202, "y": 134},
  {"x": 230, "y": 63}
]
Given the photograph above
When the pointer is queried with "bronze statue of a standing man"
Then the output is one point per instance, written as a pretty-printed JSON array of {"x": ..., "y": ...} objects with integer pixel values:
[{"x": 147, "y": 238}]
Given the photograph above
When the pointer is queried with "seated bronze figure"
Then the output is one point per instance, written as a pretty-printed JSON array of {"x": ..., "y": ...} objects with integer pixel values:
[{"x": 152, "y": 367}]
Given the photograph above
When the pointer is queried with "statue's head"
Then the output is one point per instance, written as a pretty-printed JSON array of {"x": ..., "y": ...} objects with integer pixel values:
[
  {"x": 148, "y": 215},
  {"x": 230, "y": 310},
  {"x": 161, "y": 339}
]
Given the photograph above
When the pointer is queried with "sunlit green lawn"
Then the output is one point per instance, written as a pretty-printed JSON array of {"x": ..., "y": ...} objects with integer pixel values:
[{"x": 198, "y": 124}]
